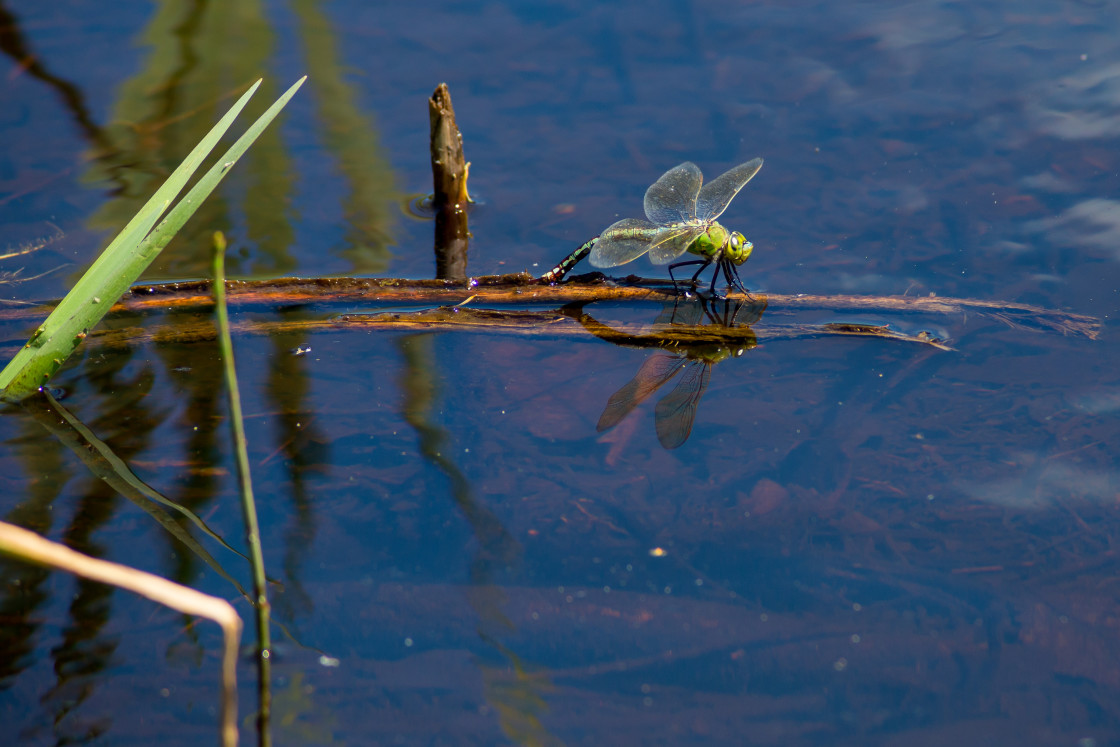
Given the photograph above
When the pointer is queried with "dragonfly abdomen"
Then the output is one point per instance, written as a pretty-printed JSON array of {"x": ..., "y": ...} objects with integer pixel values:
[{"x": 557, "y": 273}]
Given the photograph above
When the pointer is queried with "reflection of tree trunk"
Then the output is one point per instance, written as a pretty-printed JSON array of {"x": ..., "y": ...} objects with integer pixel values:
[
  {"x": 498, "y": 550},
  {"x": 516, "y": 697},
  {"x": 449, "y": 187}
]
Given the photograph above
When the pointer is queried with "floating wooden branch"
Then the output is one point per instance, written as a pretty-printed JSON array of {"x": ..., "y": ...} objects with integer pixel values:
[
  {"x": 630, "y": 334},
  {"x": 522, "y": 323},
  {"x": 523, "y": 290}
]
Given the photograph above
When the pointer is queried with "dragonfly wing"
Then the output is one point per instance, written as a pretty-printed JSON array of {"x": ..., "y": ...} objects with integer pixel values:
[
  {"x": 674, "y": 415},
  {"x": 622, "y": 242},
  {"x": 718, "y": 193},
  {"x": 672, "y": 198},
  {"x": 655, "y": 371},
  {"x": 671, "y": 242}
]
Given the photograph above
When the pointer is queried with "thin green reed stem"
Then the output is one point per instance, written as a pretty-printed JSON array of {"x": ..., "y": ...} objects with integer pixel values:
[{"x": 248, "y": 505}]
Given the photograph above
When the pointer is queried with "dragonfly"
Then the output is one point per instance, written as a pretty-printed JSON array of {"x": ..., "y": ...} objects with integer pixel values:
[
  {"x": 675, "y": 414},
  {"x": 681, "y": 213}
]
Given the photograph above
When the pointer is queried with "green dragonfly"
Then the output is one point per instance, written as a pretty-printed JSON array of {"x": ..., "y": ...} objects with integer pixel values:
[{"x": 681, "y": 218}]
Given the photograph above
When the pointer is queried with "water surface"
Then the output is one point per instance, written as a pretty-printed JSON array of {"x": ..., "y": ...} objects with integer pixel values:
[{"x": 861, "y": 541}]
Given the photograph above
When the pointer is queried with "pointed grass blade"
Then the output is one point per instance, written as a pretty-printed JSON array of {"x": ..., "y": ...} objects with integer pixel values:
[
  {"x": 210, "y": 180},
  {"x": 127, "y": 256}
]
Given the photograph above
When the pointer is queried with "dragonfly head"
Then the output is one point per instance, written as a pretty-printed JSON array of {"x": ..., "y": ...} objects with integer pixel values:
[{"x": 737, "y": 249}]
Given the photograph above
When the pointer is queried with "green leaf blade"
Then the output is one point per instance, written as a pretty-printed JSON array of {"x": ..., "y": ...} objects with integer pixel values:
[{"x": 129, "y": 254}]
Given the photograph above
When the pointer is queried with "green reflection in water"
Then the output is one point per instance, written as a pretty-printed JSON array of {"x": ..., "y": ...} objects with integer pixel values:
[{"x": 200, "y": 55}]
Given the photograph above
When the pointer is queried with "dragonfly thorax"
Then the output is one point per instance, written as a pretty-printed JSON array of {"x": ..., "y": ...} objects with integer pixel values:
[{"x": 717, "y": 243}]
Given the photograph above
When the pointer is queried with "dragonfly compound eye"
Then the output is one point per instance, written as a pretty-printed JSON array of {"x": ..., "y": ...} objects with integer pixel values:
[
  {"x": 748, "y": 247},
  {"x": 739, "y": 248}
]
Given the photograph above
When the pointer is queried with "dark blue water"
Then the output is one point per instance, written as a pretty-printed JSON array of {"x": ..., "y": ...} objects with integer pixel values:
[{"x": 860, "y": 542}]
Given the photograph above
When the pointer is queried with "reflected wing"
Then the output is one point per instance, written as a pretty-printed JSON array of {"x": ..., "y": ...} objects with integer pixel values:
[
  {"x": 674, "y": 415},
  {"x": 671, "y": 242},
  {"x": 622, "y": 242},
  {"x": 718, "y": 193},
  {"x": 680, "y": 311},
  {"x": 672, "y": 198},
  {"x": 728, "y": 312},
  {"x": 655, "y": 371}
]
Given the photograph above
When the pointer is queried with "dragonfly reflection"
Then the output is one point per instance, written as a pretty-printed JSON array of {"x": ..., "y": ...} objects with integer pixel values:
[{"x": 675, "y": 414}]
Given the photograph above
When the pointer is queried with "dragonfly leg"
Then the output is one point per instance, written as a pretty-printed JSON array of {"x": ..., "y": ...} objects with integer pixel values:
[
  {"x": 727, "y": 268},
  {"x": 715, "y": 278},
  {"x": 702, "y": 262},
  {"x": 732, "y": 273}
]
